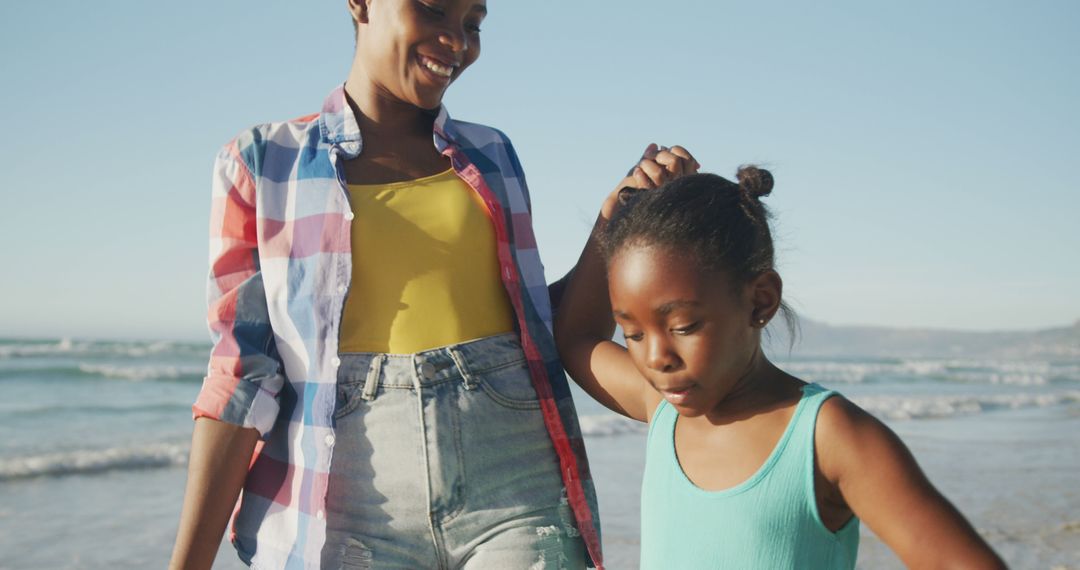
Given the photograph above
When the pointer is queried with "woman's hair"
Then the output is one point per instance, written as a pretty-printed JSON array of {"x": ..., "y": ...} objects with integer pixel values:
[{"x": 722, "y": 224}]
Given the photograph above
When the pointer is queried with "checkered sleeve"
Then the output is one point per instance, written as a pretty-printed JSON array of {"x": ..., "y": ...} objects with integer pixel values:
[{"x": 244, "y": 373}]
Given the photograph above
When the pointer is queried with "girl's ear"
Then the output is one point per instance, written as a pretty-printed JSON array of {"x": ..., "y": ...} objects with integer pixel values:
[
  {"x": 359, "y": 10},
  {"x": 766, "y": 293}
]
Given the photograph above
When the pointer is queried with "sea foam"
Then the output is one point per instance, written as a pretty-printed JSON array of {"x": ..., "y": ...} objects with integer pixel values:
[
  {"x": 94, "y": 461},
  {"x": 924, "y": 407}
]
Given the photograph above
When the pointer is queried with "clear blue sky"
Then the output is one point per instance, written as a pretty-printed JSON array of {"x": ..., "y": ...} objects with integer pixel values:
[{"x": 925, "y": 152}]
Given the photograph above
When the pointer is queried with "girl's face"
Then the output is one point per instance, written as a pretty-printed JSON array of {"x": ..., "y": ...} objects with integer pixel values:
[
  {"x": 413, "y": 49},
  {"x": 686, "y": 331}
]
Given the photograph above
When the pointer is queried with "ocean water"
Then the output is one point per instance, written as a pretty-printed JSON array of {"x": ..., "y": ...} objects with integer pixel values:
[{"x": 94, "y": 438}]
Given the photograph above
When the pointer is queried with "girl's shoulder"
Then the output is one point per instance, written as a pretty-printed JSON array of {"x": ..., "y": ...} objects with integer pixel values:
[
  {"x": 841, "y": 421},
  {"x": 840, "y": 417},
  {"x": 849, "y": 440}
]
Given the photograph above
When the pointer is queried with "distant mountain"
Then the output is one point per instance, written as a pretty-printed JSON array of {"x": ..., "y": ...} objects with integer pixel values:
[{"x": 821, "y": 339}]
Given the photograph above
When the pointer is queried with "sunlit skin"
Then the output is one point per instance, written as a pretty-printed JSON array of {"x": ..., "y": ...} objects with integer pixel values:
[
  {"x": 696, "y": 340},
  {"x": 393, "y": 90},
  {"x": 398, "y": 40},
  {"x": 394, "y": 95},
  {"x": 689, "y": 333},
  {"x": 693, "y": 338}
]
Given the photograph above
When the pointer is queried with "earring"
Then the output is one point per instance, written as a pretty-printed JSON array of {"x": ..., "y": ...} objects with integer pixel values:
[{"x": 761, "y": 322}]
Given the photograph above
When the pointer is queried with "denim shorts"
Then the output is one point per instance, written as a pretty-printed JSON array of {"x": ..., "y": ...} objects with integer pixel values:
[{"x": 442, "y": 460}]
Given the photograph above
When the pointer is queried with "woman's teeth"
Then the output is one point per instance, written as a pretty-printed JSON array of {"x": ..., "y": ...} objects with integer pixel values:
[{"x": 443, "y": 70}]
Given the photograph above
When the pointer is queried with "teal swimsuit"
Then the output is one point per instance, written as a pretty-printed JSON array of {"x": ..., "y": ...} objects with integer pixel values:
[{"x": 768, "y": 521}]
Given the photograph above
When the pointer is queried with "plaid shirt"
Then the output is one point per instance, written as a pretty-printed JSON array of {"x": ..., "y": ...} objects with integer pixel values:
[{"x": 280, "y": 269}]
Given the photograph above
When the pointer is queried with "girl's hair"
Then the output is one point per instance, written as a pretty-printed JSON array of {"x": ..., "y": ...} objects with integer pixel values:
[{"x": 722, "y": 224}]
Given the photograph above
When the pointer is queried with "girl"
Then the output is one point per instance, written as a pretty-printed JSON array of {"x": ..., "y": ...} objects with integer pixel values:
[
  {"x": 746, "y": 465},
  {"x": 384, "y": 385}
]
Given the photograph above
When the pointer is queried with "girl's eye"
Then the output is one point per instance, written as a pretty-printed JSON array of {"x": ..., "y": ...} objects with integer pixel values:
[
  {"x": 473, "y": 28},
  {"x": 632, "y": 337},
  {"x": 688, "y": 329}
]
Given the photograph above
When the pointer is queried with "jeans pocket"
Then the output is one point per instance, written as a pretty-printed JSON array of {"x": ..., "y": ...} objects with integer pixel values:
[
  {"x": 348, "y": 397},
  {"x": 355, "y": 556},
  {"x": 509, "y": 386}
]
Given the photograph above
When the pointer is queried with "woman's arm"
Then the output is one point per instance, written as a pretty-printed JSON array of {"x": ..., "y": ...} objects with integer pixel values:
[
  {"x": 879, "y": 480},
  {"x": 584, "y": 323},
  {"x": 583, "y": 329},
  {"x": 218, "y": 465},
  {"x": 238, "y": 400}
]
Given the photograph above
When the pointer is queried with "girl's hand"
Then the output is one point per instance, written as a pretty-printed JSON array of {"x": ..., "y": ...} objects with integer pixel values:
[{"x": 658, "y": 165}]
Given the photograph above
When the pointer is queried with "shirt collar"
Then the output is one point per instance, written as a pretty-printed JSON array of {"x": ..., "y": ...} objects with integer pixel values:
[{"x": 338, "y": 126}]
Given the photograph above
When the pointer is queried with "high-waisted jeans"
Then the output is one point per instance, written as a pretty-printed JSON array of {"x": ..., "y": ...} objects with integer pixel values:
[{"x": 442, "y": 460}]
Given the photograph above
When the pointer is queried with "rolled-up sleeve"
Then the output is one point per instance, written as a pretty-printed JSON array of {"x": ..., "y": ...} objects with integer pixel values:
[{"x": 244, "y": 375}]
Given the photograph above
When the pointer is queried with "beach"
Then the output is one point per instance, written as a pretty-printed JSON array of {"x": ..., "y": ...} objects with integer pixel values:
[{"x": 92, "y": 462}]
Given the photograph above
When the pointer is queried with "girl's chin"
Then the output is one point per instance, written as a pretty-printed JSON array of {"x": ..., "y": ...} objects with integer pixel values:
[{"x": 688, "y": 409}]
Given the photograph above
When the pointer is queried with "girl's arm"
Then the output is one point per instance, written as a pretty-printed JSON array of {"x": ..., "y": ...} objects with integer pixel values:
[
  {"x": 220, "y": 455},
  {"x": 878, "y": 479},
  {"x": 584, "y": 323}
]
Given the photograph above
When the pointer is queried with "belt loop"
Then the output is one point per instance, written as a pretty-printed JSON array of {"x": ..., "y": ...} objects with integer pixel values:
[
  {"x": 459, "y": 360},
  {"x": 371, "y": 383}
]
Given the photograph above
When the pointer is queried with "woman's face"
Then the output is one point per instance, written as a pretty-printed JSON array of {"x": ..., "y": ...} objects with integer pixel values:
[
  {"x": 686, "y": 331},
  {"x": 412, "y": 50}
]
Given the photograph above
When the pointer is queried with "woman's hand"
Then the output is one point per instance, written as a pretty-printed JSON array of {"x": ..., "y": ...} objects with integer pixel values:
[
  {"x": 584, "y": 324},
  {"x": 658, "y": 165}
]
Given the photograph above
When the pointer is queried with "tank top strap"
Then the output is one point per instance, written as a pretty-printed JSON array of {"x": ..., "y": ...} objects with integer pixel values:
[
  {"x": 805, "y": 421},
  {"x": 660, "y": 441},
  {"x": 796, "y": 463},
  {"x": 814, "y": 395}
]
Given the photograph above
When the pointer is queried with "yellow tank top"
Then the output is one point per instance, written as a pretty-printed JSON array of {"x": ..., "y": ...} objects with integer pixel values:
[{"x": 425, "y": 268}]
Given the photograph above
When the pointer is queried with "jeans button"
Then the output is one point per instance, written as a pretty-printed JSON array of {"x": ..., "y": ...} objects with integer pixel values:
[{"x": 427, "y": 369}]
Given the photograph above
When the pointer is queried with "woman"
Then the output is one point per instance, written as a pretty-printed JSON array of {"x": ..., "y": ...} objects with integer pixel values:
[{"x": 382, "y": 324}]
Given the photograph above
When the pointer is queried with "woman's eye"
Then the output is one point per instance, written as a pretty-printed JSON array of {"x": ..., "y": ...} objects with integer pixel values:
[
  {"x": 433, "y": 10},
  {"x": 632, "y": 337},
  {"x": 684, "y": 330},
  {"x": 473, "y": 28}
]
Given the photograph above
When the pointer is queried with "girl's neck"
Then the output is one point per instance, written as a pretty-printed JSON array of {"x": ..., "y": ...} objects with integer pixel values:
[{"x": 762, "y": 384}]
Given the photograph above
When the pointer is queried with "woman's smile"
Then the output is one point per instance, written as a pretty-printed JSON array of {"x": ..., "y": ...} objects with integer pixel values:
[{"x": 443, "y": 70}]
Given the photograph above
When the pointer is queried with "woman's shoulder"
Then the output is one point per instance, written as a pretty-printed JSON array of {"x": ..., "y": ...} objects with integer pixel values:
[
  {"x": 286, "y": 138},
  {"x": 485, "y": 138},
  {"x": 478, "y": 132},
  {"x": 292, "y": 132}
]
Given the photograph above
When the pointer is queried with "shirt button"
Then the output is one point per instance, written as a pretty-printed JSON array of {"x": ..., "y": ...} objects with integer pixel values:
[
  {"x": 349, "y": 216},
  {"x": 341, "y": 289},
  {"x": 329, "y": 441},
  {"x": 320, "y": 515},
  {"x": 335, "y": 361}
]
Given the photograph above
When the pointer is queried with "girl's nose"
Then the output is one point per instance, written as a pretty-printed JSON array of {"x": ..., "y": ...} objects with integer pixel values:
[{"x": 660, "y": 357}]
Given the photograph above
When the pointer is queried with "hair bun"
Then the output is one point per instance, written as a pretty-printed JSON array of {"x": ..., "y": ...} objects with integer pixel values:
[
  {"x": 627, "y": 194},
  {"x": 755, "y": 182}
]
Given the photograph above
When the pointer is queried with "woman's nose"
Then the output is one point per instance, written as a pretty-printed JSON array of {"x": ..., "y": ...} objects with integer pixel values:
[{"x": 456, "y": 40}]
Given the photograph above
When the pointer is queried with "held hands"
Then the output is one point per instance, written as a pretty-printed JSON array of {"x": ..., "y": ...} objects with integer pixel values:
[{"x": 657, "y": 166}]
